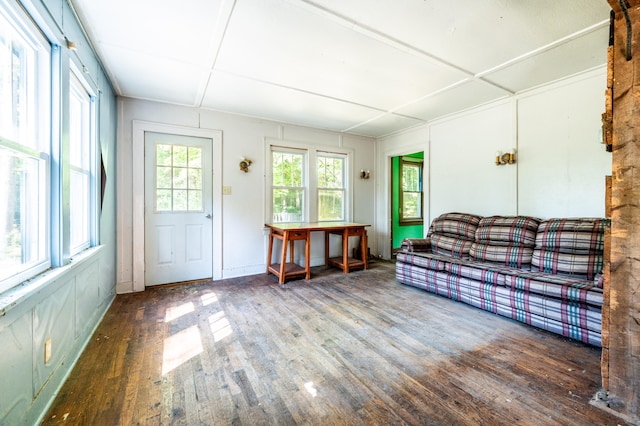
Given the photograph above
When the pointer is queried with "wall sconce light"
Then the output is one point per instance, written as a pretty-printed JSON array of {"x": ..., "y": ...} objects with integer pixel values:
[
  {"x": 244, "y": 164},
  {"x": 72, "y": 45},
  {"x": 508, "y": 157},
  {"x": 365, "y": 174}
]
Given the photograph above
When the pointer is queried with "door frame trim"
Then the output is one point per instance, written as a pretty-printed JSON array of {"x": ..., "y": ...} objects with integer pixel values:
[{"x": 139, "y": 129}]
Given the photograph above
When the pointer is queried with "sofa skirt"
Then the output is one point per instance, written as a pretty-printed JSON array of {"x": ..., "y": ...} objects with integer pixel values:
[{"x": 579, "y": 321}]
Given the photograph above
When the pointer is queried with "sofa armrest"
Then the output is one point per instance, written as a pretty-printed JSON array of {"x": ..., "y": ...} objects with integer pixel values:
[{"x": 417, "y": 245}]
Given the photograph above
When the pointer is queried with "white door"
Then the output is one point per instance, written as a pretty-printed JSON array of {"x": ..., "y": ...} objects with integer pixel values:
[{"x": 178, "y": 208}]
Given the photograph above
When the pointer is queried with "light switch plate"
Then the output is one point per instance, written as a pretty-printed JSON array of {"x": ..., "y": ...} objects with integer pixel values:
[{"x": 226, "y": 190}]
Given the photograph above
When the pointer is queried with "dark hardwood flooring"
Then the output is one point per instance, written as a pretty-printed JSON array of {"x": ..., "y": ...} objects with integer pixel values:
[{"x": 336, "y": 350}]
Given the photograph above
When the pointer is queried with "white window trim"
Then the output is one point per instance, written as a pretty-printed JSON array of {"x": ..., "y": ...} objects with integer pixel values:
[{"x": 311, "y": 178}]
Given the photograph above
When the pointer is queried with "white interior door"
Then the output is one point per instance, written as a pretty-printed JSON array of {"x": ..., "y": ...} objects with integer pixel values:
[{"x": 178, "y": 208}]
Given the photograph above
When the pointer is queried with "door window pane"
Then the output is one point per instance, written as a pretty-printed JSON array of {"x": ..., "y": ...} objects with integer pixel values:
[{"x": 178, "y": 178}]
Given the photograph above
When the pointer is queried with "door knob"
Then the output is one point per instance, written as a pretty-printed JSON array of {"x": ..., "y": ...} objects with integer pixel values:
[{"x": 208, "y": 216}]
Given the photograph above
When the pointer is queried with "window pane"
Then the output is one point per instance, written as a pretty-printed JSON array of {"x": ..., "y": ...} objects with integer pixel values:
[
  {"x": 330, "y": 204},
  {"x": 79, "y": 210},
  {"x": 195, "y": 178},
  {"x": 330, "y": 172},
  {"x": 180, "y": 177},
  {"x": 163, "y": 177},
  {"x": 287, "y": 169},
  {"x": 22, "y": 240},
  {"x": 195, "y": 157},
  {"x": 163, "y": 155},
  {"x": 180, "y": 200},
  {"x": 195, "y": 200},
  {"x": 25, "y": 136},
  {"x": 163, "y": 200},
  {"x": 180, "y": 156},
  {"x": 411, "y": 205},
  {"x": 287, "y": 205},
  {"x": 410, "y": 177},
  {"x": 80, "y": 142}
]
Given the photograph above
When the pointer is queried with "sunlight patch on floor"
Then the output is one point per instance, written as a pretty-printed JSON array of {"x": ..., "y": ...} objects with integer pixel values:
[
  {"x": 175, "y": 312},
  {"x": 180, "y": 348},
  {"x": 220, "y": 326},
  {"x": 208, "y": 298},
  {"x": 311, "y": 389}
]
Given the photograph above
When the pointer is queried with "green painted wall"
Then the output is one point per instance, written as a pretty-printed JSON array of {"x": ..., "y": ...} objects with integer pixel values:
[{"x": 405, "y": 231}]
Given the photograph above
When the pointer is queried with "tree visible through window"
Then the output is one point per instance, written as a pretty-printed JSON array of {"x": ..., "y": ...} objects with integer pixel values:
[
  {"x": 331, "y": 187},
  {"x": 411, "y": 192},
  {"x": 288, "y": 185}
]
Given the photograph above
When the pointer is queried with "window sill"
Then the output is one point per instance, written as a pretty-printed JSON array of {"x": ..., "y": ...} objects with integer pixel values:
[
  {"x": 22, "y": 292},
  {"x": 411, "y": 222}
]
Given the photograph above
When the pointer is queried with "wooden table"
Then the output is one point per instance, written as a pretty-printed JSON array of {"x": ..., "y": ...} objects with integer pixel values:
[{"x": 288, "y": 233}]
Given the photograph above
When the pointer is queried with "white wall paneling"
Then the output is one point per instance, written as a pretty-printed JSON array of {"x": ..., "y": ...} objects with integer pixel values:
[{"x": 560, "y": 162}]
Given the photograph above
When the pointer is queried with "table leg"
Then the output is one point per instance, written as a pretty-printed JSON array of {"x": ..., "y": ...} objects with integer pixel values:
[
  {"x": 326, "y": 248},
  {"x": 270, "y": 252},
  {"x": 364, "y": 249},
  {"x": 307, "y": 255},
  {"x": 345, "y": 249},
  {"x": 283, "y": 258}
]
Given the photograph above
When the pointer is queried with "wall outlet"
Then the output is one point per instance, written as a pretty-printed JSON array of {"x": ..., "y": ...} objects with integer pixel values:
[
  {"x": 226, "y": 190},
  {"x": 47, "y": 351}
]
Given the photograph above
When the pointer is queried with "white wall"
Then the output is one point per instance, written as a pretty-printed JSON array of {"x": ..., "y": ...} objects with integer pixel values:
[
  {"x": 243, "y": 212},
  {"x": 561, "y": 164}
]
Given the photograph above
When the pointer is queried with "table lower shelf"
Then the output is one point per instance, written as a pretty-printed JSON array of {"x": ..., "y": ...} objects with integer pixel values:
[
  {"x": 339, "y": 262},
  {"x": 291, "y": 270}
]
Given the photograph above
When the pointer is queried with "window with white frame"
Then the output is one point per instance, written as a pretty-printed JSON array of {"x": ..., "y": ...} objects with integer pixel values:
[
  {"x": 81, "y": 149},
  {"x": 411, "y": 196},
  {"x": 331, "y": 186},
  {"x": 308, "y": 184},
  {"x": 288, "y": 185},
  {"x": 25, "y": 102}
]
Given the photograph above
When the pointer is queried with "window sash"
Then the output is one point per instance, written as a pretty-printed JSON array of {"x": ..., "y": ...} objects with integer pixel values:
[
  {"x": 81, "y": 147},
  {"x": 411, "y": 194},
  {"x": 288, "y": 193},
  {"x": 25, "y": 135},
  {"x": 331, "y": 172}
]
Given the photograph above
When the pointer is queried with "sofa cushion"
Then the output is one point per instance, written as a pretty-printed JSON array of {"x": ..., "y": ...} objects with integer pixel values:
[
  {"x": 556, "y": 286},
  {"x": 422, "y": 260},
  {"x": 452, "y": 234},
  {"x": 450, "y": 246},
  {"x": 416, "y": 245},
  {"x": 460, "y": 225},
  {"x": 479, "y": 271},
  {"x": 506, "y": 240},
  {"x": 570, "y": 246},
  {"x": 508, "y": 230}
]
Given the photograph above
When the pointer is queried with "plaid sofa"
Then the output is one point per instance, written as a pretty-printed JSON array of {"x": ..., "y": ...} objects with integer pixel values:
[{"x": 545, "y": 273}]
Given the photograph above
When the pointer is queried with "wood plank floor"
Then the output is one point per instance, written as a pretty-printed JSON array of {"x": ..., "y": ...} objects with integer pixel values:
[{"x": 338, "y": 349}]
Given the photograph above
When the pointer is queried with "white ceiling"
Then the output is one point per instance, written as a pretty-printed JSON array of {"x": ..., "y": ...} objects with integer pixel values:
[{"x": 368, "y": 67}]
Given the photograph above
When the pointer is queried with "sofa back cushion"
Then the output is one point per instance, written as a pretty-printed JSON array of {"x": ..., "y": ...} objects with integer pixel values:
[
  {"x": 506, "y": 240},
  {"x": 570, "y": 246},
  {"x": 452, "y": 234}
]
